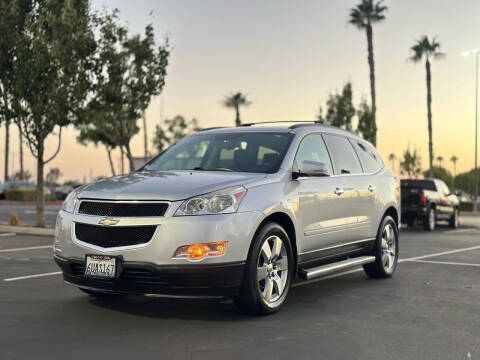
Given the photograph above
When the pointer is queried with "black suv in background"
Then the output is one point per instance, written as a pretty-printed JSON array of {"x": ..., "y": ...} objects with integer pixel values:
[{"x": 428, "y": 201}]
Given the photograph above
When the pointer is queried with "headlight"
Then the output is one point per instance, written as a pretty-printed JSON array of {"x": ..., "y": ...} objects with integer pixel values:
[
  {"x": 70, "y": 202},
  {"x": 224, "y": 201}
]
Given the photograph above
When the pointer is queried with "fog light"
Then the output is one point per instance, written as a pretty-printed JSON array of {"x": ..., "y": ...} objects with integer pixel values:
[{"x": 195, "y": 252}]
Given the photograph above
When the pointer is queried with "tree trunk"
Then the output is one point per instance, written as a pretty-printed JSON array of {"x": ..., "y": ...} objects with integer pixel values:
[
  {"x": 109, "y": 153},
  {"x": 237, "y": 116},
  {"x": 7, "y": 148},
  {"x": 122, "y": 163},
  {"x": 130, "y": 157},
  {"x": 144, "y": 118},
  {"x": 371, "y": 64},
  {"x": 20, "y": 140},
  {"x": 40, "y": 181},
  {"x": 429, "y": 115}
]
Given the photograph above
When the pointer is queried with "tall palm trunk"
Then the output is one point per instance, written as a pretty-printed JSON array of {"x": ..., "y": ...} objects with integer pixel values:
[
  {"x": 7, "y": 148},
  {"x": 237, "y": 116},
  {"x": 145, "y": 144},
  {"x": 109, "y": 153},
  {"x": 371, "y": 64},
  {"x": 429, "y": 115},
  {"x": 20, "y": 141}
]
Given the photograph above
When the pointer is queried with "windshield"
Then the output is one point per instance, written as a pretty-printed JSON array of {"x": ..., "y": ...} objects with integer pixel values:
[
  {"x": 240, "y": 152},
  {"x": 418, "y": 184}
]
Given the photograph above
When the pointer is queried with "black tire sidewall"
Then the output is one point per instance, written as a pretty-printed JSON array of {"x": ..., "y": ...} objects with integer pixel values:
[
  {"x": 428, "y": 227},
  {"x": 250, "y": 285}
]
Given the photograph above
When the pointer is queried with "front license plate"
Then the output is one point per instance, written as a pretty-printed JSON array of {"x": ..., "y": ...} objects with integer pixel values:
[{"x": 100, "y": 266}]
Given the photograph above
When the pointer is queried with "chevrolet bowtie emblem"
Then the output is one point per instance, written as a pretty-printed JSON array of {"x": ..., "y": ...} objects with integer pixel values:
[{"x": 108, "y": 222}]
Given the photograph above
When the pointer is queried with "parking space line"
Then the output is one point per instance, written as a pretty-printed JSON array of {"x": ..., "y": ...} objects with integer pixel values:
[
  {"x": 26, "y": 248},
  {"x": 412, "y": 259},
  {"x": 32, "y": 276},
  {"x": 444, "y": 262},
  {"x": 7, "y": 234}
]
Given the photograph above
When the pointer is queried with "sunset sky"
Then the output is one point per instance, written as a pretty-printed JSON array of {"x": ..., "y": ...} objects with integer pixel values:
[{"x": 288, "y": 56}]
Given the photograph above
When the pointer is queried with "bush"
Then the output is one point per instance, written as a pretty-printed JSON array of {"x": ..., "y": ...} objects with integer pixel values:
[
  {"x": 466, "y": 206},
  {"x": 21, "y": 194}
]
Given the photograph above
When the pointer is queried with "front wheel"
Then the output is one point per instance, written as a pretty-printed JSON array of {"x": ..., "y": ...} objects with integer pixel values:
[
  {"x": 385, "y": 250},
  {"x": 268, "y": 273}
]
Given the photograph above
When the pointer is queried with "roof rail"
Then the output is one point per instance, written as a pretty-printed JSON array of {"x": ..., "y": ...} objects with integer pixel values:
[
  {"x": 281, "y": 121},
  {"x": 212, "y": 128}
]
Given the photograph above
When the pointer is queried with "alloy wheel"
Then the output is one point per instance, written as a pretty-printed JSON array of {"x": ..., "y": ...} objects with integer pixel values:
[
  {"x": 272, "y": 269},
  {"x": 389, "y": 248}
]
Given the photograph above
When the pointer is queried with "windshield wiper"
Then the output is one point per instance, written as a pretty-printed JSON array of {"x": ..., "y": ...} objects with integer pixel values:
[{"x": 211, "y": 169}]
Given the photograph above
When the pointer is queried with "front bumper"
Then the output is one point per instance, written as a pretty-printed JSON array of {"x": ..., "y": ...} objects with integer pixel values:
[{"x": 205, "y": 280}]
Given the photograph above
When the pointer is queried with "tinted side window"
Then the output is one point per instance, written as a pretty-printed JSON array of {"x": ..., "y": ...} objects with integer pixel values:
[
  {"x": 371, "y": 161},
  {"x": 345, "y": 160},
  {"x": 313, "y": 148}
]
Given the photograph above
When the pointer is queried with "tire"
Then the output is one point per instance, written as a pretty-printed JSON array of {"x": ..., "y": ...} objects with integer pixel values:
[
  {"x": 98, "y": 294},
  {"x": 268, "y": 272},
  {"x": 430, "y": 220},
  {"x": 385, "y": 251},
  {"x": 453, "y": 222}
]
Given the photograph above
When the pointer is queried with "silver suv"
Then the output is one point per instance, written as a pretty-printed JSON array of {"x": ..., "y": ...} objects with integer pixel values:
[{"x": 234, "y": 212}]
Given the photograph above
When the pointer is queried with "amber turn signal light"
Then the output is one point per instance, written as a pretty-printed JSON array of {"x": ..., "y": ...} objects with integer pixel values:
[{"x": 197, "y": 252}]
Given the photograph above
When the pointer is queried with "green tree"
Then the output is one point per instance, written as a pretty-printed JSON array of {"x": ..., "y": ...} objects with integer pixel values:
[
  {"x": 52, "y": 61},
  {"x": 427, "y": 49},
  {"x": 411, "y": 163},
  {"x": 128, "y": 71},
  {"x": 340, "y": 109},
  {"x": 174, "y": 130},
  {"x": 366, "y": 122},
  {"x": 236, "y": 101},
  {"x": 465, "y": 182},
  {"x": 12, "y": 20},
  {"x": 53, "y": 176},
  {"x": 363, "y": 16},
  {"x": 442, "y": 174},
  {"x": 91, "y": 134}
]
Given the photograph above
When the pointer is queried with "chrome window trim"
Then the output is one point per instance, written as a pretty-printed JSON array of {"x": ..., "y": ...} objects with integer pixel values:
[
  {"x": 111, "y": 249},
  {"x": 77, "y": 206}
]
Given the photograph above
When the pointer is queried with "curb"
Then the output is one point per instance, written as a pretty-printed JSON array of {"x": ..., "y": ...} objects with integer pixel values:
[{"x": 29, "y": 230}]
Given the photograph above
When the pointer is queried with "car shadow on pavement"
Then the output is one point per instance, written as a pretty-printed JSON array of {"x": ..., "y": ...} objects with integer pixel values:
[{"x": 169, "y": 308}]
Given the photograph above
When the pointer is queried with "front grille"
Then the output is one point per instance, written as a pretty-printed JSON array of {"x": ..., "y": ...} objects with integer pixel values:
[
  {"x": 122, "y": 209},
  {"x": 108, "y": 237}
]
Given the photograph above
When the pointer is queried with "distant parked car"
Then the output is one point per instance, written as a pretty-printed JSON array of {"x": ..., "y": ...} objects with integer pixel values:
[
  {"x": 428, "y": 201},
  {"x": 61, "y": 192}
]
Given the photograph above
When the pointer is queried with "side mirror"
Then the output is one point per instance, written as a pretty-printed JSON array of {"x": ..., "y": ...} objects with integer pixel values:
[{"x": 314, "y": 168}]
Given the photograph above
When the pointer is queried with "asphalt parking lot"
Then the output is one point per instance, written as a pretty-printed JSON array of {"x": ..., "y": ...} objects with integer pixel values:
[{"x": 428, "y": 310}]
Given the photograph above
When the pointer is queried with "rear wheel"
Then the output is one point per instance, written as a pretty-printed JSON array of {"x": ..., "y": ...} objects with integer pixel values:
[
  {"x": 453, "y": 222},
  {"x": 430, "y": 220},
  {"x": 385, "y": 250},
  {"x": 268, "y": 273}
]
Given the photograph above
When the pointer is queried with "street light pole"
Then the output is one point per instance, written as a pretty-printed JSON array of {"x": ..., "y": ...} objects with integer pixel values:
[{"x": 475, "y": 53}]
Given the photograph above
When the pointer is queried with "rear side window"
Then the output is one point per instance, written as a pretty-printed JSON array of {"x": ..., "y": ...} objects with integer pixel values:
[
  {"x": 418, "y": 184},
  {"x": 344, "y": 157},
  {"x": 313, "y": 148},
  {"x": 371, "y": 161}
]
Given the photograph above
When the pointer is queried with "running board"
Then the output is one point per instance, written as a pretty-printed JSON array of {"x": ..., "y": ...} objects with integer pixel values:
[{"x": 323, "y": 270}]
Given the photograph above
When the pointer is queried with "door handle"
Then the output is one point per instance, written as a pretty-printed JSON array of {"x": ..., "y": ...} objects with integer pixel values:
[
  {"x": 371, "y": 188},
  {"x": 339, "y": 191}
]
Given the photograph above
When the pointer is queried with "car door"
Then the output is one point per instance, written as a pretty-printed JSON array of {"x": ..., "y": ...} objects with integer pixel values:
[
  {"x": 445, "y": 205},
  {"x": 321, "y": 202},
  {"x": 359, "y": 190},
  {"x": 366, "y": 201}
]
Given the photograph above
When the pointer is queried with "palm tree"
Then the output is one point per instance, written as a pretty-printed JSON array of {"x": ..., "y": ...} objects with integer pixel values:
[
  {"x": 440, "y": 160},
  {"x": 428, "y": 49},
  {"x": 235, "y": 101},
  {"x": 363, "y": 16},
  {"x": 392, "y": 159},
  {"x": 454, "y": 160}
]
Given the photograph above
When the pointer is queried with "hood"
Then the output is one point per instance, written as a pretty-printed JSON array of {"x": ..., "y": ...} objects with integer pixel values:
[{"x": 165, "y": 185}]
